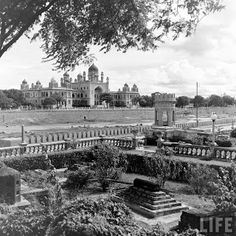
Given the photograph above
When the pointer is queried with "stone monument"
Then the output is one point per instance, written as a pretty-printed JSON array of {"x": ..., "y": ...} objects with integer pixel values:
[{"x": 9, "y": 186}]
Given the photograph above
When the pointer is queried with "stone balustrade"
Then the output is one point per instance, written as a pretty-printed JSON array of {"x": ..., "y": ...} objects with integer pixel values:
[
  {"x": 67, "y": 144},
  {"x": 218, "y": 153},
  {"x": 83, "y": 134}
]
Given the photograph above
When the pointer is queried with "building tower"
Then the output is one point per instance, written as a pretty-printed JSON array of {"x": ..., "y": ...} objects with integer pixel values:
[
  {"x": 24, "y": 85},
  {"x": 164, "y": 109},
  {"x": 93, "y": 73}
]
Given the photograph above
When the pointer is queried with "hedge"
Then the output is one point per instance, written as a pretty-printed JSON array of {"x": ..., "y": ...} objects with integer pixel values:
[
  {"x": 59, "y": 160},
  {"x": 180, "y": 171}
]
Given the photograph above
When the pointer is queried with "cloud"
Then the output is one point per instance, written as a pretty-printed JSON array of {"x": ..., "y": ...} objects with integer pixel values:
[{"x": 208, "y": 57}]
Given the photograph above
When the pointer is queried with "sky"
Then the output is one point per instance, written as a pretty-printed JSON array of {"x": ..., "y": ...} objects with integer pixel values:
[{"x": 207, "y": 57}]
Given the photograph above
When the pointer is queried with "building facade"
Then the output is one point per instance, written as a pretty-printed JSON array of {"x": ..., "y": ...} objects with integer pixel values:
[
  {"x": 85, "y": 90},
  {"x": 125, "y": 96}
]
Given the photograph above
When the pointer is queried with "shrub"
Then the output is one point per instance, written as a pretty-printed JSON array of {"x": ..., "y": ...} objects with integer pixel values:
[
  {"x": 179, "y": 171},
  {"x": 198, "y": 140},
  {"x": 78, "y": 178},
  {"x": 202, "y": 179},
  {"x": 157, "y": 167},
  {"x": 27, "y": 222},
  {"x": 94, "y": 218},
  {"x": 109, "y": 164},
  {"x": 225, "y": 194},
  {"x": 59, "y": 160},
  {"x": 225, "y": 143},
  {"x": 233, "y": 133}
]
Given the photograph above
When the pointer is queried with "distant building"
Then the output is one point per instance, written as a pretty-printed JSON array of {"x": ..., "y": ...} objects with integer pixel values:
[
  {"x": 37, "y": 93},
  {"x": 85, "y": 90},
  {"x": 125, "y": 96}
]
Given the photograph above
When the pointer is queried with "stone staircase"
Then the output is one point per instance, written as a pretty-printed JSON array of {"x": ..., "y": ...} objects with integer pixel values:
[{"x": 150, "y": 204}]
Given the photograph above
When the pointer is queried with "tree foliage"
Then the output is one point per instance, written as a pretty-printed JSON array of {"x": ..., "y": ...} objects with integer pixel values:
[
  {"x": 182, "y": 101},
  {"x": 49, "y": 102},
  {"x": 68, "y": 27},
  {"x": 106, "y": 97},
  {"x": 145, "y": 101},
  {"x": 215, "y": 100},
  {"x": 109, "y": 164},
  {"x": 198, "y": 101},
  {"x": 5, "y": 102},
  {"x": 17, "y": 96},
  {"x": 225, "y": 195}
]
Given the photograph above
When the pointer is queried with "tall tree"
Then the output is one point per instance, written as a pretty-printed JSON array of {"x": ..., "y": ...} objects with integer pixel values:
[
  {"x": 182, "y": 101},
  {"x": 198, "y": 101},
  {"x": 5, "y": 102},
  {"x": 49, "y": 102},
  {"x": 16, "y": 95},
  {"x": 68, "y": 27},
  {"x": 59, "y": 98},
  {"x": 228, "y": 100},
  {"x": 146, "y": 101},
  {"x": 215, "y": 100},
  {"x": 106, "y": 97}
]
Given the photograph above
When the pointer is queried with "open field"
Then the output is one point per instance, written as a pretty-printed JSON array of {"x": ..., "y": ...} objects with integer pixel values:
[{"x": 41, "y": 121}]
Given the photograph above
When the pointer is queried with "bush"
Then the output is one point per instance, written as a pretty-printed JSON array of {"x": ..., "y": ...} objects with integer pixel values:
[
  {"x": 233, "y": 133},
  {"x": 94, "y": 218},
  {"x": 78, "y": 178},
  {"x": 202, "y": 179},
  {"x": 226, "y": 143},
  {"x": 110, "y": 162},
  {"x": 179, "y": 171},
  {"x": 59, "y": 160},
  {"x": 27, "y": 222},
  {"x": 157, "y": 167}
]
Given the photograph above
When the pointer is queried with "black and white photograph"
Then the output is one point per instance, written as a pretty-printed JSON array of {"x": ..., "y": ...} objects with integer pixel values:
[{"x": 117, "y": 118}]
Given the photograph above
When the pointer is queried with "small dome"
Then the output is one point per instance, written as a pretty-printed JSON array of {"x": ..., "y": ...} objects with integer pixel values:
[
  {"x": 126, "y": 85},
  {"x": 93, "y": 68},
  {"x": 65, "y": 74},
  {"x": 38, "y": 82},
  {"x": 79, "y": 75},
  {"x": 53, "y": 80},
  {"x": 134, "y": 86},
  {"x": 24, "y": 82}
]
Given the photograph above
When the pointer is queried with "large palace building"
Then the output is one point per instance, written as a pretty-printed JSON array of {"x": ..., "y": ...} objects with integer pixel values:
[{"x": 85, "y": 90}]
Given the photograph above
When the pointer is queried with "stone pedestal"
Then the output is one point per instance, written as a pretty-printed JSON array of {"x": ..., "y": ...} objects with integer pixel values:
[{"x": 9, "y": 186}]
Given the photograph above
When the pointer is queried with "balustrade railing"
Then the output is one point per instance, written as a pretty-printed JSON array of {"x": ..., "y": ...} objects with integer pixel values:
[
  {"x": 31, "y": 149},
  {"x": 217, "y": 153}
]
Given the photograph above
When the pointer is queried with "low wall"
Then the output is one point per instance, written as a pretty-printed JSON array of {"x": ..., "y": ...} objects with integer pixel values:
[
  {"x": 207, "y": 152},
  {"x": 81, "y": 134}
]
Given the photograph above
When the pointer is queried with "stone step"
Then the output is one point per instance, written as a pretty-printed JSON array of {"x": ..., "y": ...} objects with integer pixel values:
[
  {"x": 161, "y": 206},
  {"x": 157, "y": 213},
  {"x": 171, "y": 210},
  {"x": 142, "y": 191},
  {"x": 163, "y": 201},
  {"x": 146, "y": 198}
]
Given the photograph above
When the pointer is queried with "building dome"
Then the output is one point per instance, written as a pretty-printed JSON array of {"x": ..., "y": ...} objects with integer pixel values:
[
  {"x": 24, "y": 82},
  {"x": 53, "y": 80},
  {"x": 93, "y": 68},
  {"x": 38, "y": 82}
]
